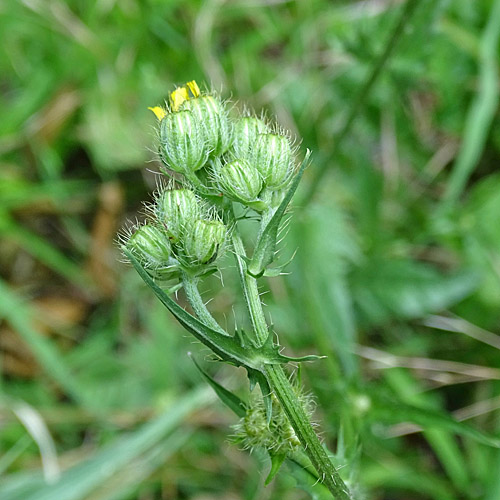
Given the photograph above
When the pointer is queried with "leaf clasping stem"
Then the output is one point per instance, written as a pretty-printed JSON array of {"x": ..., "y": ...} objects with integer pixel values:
[{"x": 193, "y": 295}]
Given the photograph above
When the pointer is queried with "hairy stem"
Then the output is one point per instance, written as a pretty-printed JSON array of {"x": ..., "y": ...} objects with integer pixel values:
[
  {"x": 250, "y": 291},
  {"x": 328, "y": 475},
  {"x": 280, "y": 385}
]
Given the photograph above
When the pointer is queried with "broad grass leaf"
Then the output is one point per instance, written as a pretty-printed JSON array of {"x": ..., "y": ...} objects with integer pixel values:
[{"x": 386, "y": 289}]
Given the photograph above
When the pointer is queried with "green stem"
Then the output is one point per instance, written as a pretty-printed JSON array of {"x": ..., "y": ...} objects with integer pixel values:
[
  {"x": 193, "y": 295},
  {"x": 250, "y": 291},
  {"x": 280, "y": 385}
]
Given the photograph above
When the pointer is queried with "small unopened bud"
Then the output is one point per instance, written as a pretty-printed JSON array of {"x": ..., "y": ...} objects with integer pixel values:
[
  {"x": 149, "y": 245},
  {"x": 183, "y": 147},
  {"x": 273, "y": 159},
  {"x": 210, "y": 113},
  {"x": 277, "y": 436},
  {"x": 205, "y": 242},
  {"x": 240, "y": 181},
  {"x": 246, "y": 131},
  {"x": 177, "y": 209}
]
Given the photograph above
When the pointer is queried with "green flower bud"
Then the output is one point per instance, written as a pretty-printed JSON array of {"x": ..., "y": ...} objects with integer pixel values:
[
  {"x": 182, "y": 143},
  {"x": 212, "y": 116},
  {"x": 273, "y": 159},
  {"x": 149, "y": 244},
  {"x": 177, "y": 209},
  {"x": 205, "y": 242},
  {"x": 240, "y": 181},
  {"x": 277, "y": 436},
  {"x": 246, "y": 131}
]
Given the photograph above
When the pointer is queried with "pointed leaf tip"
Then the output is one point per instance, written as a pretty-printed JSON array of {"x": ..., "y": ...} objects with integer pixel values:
[{"x": 276, "y": 463}]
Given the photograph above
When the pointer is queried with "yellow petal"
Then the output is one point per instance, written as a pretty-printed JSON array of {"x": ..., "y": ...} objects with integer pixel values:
[
  {"x": 159, "y": 112},
  {"x": 177, "y": 97},
  {"x": 193, "y": 87}
]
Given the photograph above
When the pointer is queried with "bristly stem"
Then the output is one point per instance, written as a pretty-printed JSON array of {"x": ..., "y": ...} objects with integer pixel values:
[
  {"x": 280, "y": 385},
  {"x": 250, "y": 291},
  {"x": 328, "y": 475}
]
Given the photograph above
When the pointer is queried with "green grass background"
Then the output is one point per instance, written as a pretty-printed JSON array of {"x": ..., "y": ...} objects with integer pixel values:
[{"x": 396, "y": 277}]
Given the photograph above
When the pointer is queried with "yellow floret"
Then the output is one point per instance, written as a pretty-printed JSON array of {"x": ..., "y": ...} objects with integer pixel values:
[
  {"x": 193, "y": 87},
  {"x": 177, "y": 97},
  {"x": 159, "y": 112}
]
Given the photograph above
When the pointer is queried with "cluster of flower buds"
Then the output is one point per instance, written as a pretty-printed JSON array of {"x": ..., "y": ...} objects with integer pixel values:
[
  {"x": 241, "y": 157},
  {"x": 222, "y": 159},
  {"x": 184, "y": 236}
]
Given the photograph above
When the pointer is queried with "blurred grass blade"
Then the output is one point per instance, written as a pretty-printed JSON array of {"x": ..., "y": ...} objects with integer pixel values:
[
  {"x": 19, "y": 315},
  {"x": 393, "y": 475},
  {"x": 34, "y": 424},
  {"x": 481, "y": 112},
  {"x": 405, "y": 17},
  {"x": 45, "y": 252},
  {"x": 83, "y": 480},
  {"x": 11, "y": 455},
  {"x": 17, "y": 194},
  {"x": 385, "y": 289},
  {"x": 393, "y": 411},
  {"x": 323, "y": 267}
]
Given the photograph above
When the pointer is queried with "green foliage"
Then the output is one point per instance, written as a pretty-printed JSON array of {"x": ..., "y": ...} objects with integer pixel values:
[{"x": 402, "y": 233}]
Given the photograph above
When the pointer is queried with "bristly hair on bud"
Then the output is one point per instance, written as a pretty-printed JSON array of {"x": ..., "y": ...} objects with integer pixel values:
[
  {"x": 150, "y": 245},
  {"x": 240, "y": 181},
  {"x": 205, "y": 243},
  {"x": 211, "y": 113},
  {"x": 183, "y": 147},
  {"x": 246, "y": 131},
  {"x": 177, "y": 210},
  {"x": 273, "y": 158},
  {"x": 276, "y": 436}
]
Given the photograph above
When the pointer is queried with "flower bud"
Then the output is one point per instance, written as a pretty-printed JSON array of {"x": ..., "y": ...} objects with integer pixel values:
[
  {"x": 182, "y": 144},
  {"x": 149, "y": 244},
  {"x": 205, "y": 242},
  {"x": 277, "y": 436},
  {"x": 246, "y": 131},
  {"x": 210, "y": 113},
  {"x": 177, "y": 209},
  {"x": 240, "y": 181},
  {"x": 273, "y": 159}
]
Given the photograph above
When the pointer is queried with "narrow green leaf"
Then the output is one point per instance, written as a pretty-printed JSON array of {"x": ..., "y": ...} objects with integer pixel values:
[
  {"x": 265, "y": 389},
  {"x": 266, "y": 246},
  {"x": 276, "y": 463},
  {"x": 230, "y": 399}
]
